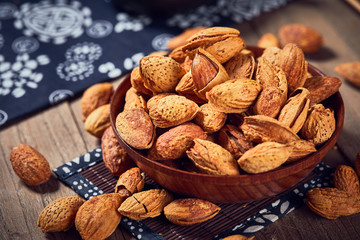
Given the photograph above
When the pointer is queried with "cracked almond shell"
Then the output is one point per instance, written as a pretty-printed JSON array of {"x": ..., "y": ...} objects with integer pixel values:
[
  {"x": 259, "y": 128},
  {"x": 145, "y": 204},
  {"x": 130, "y": 182},
  {"x": 209, "y": 119}
]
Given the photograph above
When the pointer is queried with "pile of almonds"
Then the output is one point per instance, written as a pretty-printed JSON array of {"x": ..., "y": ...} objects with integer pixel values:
[{"x": 217, "y": 105}]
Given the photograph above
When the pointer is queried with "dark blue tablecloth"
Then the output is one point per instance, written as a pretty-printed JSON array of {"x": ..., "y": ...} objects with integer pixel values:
[{"x": 53, "y": 50}]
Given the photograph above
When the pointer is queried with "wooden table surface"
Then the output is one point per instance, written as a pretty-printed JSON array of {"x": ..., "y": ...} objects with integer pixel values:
[{"x": 58, "y": 133}]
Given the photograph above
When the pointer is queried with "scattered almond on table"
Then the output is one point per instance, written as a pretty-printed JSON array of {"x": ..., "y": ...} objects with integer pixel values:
[
  {"x": 342, "y": 200},
  {"x": 350, "y": 71}
]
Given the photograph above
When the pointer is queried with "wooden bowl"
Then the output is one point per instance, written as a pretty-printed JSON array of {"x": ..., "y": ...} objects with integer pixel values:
[{"x": 229, "y": 189}]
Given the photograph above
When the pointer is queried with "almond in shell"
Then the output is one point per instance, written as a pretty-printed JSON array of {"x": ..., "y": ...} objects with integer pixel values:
[
  {"x": 95, "y": 96},
  {"x": 172, "y": 110},
  {"x": 130, "y": 182},
  {"x": 212, "y": 159},
  {"x": 234, "y": 96},
  {"x": 190, "y": 211},
  {"x": 135, "y": 128},
  {"x": 319, "y": 125},
  {"x": 98, "y": 121},
  {"x": 98, "y": 217},
  {"x": 268, "y": 40},
  {"x": 138, "y": 83},
  {"x": 174, "y": 143},
  {"x": 264, "y": 157},
  {"x": 115, "y": 157},
  {"x": 346, "y": 179},
  {"x": 59, "y": 215},
  {"x": 332, "y": 203},
  {"x": 160, "y": 74},
  {"x": 240, "y": 66},
  {"x": 209, "y": 119},
  {"x": 300, "y": 149},
  {"x": 30, "y": 165},
  {"x": 350, "y": 71},
  {"x": 145, "y": 204},
  {"x": 321, "y": 87},
  {"x": 259, "y": 128}
]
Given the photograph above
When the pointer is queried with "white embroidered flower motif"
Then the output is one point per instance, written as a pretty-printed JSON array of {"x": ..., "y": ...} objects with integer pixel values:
[
  {"x": 53, "y": 21},
  {"x": 16, "y": 77},
  {"x": 79, "y": 59},
  {"x": 129, "y": 23}
]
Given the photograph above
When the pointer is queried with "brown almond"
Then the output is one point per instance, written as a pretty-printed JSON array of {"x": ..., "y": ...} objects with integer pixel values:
[
  {"x": 172, "y": 110},
  {"x": 137, "y": 82},
  {"x": 59, "y": 215},
  {"x": 98, "y": 121},
  {"x": 259, "y": 128},
  {"x": 209, "y": 119},
  {"x": 212, "y": 159},
  {"x": 269, "y": 102},
  {"x": 240, "y": 66},
  {"x": 95, "y": 96},
  {"x": 98, "y": 217},
  {"x": 321, "y": 87},
  {"x": 145, "y": 204},
  {"x": 135, "y": 128},
  {"x": 264, "y": 157},
  {"x": 268, "y": 40},
  {"x": 300, "y": 149},
  {"x": 174, "y": 143},
  {"x": 331, "y": 203},
  {"x": 30, "y": 165},
  {"x": 115, "y": 157},
  {"x": 190, "y": 211},
  {"x": 307, "y": 38},
  {"x": 350, "y": 71},
  {"x": 346, "y": 179},
  {"x": 160, "y": 74},
  {"x": 130, "y": 182}
]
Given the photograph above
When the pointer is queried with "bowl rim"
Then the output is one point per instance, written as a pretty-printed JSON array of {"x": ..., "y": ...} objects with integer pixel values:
[{"x": 245, "y": 179}]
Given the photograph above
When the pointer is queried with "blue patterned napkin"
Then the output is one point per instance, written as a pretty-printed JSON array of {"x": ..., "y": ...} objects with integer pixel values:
[
  {"x": 71, "y": 174},
  {"x": 53, "y": 50}
]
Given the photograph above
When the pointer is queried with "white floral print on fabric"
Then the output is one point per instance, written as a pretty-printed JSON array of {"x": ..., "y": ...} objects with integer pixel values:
[
  {"x": 59, "y": 95},
  {"x": 53, "y": 21},
  {"x": 129, "y": 23},
  {"x": 79, "y": 62},
  {"x": 16, "y": 77}
]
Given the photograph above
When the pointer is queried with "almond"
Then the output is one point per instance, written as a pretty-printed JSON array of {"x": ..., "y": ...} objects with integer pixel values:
[
  {"x": 98, "y": 217},
  {"x": 213, "y": 159},
  {"x": 174, "y": 143},
  {"x": 130, "y": 182},
  {"x": 145, "y": 204},
  {"x": 350, "y": 71},
  {"x": 137, "y": 82},
  {"x": 95, "y": 96},
  {"x": 160, "y": 74},
  {"x": 332, "y": 203},
  {"x": 135, "y": 128},
  {"x": 98, "y": 120},
  {"x": 173, "y": 110},
  {"x": 30, "y": 165},
  {"x": 190, "y": 211},
  {"x": 59, "y": 215},
  {"x": 268, "y": 40},
  {"x": 115, "y": 157},
  {"x": 264, "y": 157},
  {"x": 307, "y": 38},
  {"x": 181, "y": 39},
  {"x": 321, "y": 87},
  {"x": 345, "y": 179},
  {"x": 209, "y": 119}
]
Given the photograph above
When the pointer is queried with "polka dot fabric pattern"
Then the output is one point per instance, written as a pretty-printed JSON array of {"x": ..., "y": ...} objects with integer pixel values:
[
  {"x": 79, "y": 173},
  {"x": 52, "y": 50}
]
